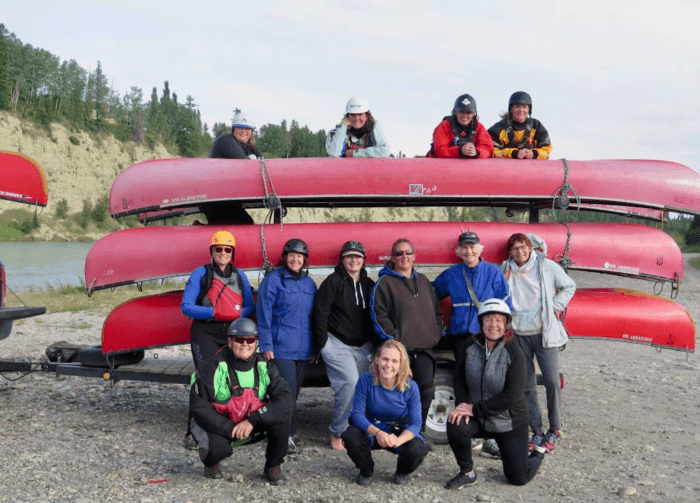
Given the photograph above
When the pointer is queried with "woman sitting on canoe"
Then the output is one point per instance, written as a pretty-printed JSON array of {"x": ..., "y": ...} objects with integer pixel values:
[
  {"x": 238, "y": 144},
  {"x": 342, "y": 331},
  {"x": 285, "y": 302},
  {"x": 386, "y": 414},
  {"x": 461, "y": 135},
  {"x": 489, "y": 384},
  {"x": 358, "y": 134},
  {"x": 517, "y": 135}
]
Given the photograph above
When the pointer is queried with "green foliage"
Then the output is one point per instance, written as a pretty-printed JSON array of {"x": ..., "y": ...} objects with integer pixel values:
[
  {"x": 122, "y": 131},
  {"x": 50, "y": 90},
  {"x": 28, "y": 225},
  {"x": 692, "y": 237},
  {"x": 100, "y": 212},
  {"x": 276, "y": 142},
  {"x": 453, "y": 214},
  {"x": 5, "y": 87},
  {"x": 365, "y": 215},
  {"x": 695, "y": 262},
  {"x": 9, "y": 232},
  {"x": 62, "y": 208},
  {"x": 130, "y": 221},
  {"x": 220, "y": 128},
  {"x": 83, "y": 218},
  {"x": 151, "y": 140},
  {"x": 70, "y": 289},
  {"x": 73, "y": 140}
]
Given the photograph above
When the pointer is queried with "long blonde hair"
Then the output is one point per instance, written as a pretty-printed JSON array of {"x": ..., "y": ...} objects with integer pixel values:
[{"x": 404, "y": 373}]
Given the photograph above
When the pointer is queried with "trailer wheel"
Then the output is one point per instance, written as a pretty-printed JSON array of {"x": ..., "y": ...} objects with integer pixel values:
[
  {"x": 441, "y": 406},
  {"x": 92, "y": 356}
]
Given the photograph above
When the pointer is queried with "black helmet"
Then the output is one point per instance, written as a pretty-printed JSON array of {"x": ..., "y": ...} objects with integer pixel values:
[
  {"x": 297, "y": 246},
  {"x": 243, "y": 327},
  {"x": 520, "y": 98},
  {"x": 353, "y": 248},
  {"x": 464, "y": 102}
]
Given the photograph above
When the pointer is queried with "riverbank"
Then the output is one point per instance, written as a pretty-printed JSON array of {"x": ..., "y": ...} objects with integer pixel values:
[{"x": 631, "y": 430}]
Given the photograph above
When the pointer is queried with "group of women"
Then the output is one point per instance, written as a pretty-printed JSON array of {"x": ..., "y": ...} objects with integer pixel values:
[
  {"x": 381, "y": 396},
  {"x": 459, "y": 135},
  {"x": 377, "y": 404}
]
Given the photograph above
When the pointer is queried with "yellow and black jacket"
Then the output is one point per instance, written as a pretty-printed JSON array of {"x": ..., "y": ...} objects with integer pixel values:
[{"x": 509, "y": 137}]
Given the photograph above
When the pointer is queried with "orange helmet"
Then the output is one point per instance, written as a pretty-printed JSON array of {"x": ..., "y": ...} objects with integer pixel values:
[{"x": 222, "y": 238}]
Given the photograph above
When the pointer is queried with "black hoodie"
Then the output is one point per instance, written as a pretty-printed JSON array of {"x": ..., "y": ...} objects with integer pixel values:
[{"x": 343, "y": 310}]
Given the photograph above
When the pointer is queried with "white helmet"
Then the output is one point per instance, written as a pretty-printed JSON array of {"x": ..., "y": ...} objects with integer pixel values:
[
  {"x": 494, "y": 306},
  {"x": 357, "y": 105},
  {"x": 242, "y": 120}
]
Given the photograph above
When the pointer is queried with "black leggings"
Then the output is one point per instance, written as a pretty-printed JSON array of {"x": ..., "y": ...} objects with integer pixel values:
[
  {"x": 207, "y": 339},
  {"x": 213, "y": 448},
  {"x": 359, "y": 446},
  {"x": 518, "y": 467},
  {"x": 423, "y": 368}
]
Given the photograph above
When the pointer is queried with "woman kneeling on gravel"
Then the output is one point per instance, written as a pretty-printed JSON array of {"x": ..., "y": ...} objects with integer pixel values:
[
  {"x": 239, "y": 398},
  {"x": 489, "y": 384},
  {"x": 386, "y": 414}
]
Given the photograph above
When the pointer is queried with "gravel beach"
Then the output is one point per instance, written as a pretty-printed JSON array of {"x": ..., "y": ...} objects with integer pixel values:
[{"x": 631, "y": 430}]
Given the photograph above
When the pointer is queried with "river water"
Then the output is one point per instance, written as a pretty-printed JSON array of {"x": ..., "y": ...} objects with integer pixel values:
[{"x": 39, "y": 265}]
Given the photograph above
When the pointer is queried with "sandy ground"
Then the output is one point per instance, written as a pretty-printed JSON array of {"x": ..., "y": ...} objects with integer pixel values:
[{"x": 631, "y": 430}]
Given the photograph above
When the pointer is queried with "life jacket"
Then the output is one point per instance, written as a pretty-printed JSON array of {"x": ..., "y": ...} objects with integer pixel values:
[
  {"x": 242, "y": 402},
  {"x": 353, "y": 142},
  {"x": 460, "y": 135},
  {"x": 528, "y": 140},
  {"x": 223, "y": 294}
]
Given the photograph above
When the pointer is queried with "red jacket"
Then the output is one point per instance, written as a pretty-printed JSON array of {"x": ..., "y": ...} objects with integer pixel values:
[{"x": 443, "y": 142}]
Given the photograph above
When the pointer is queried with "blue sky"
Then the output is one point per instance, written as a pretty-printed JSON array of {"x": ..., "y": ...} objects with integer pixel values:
[{"x": 609, "y": 79}]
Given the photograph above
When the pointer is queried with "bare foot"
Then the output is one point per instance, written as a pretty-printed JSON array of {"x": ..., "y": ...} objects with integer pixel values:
[{"x": 337, "y": 443}]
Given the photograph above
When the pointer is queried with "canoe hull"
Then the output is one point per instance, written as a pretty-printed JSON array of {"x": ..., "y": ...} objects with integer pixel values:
[
  {"x": 598, "y": 313},
  {"x": 22, "y": 179},
  {"x": 315, "y": 182},
  {"x": 134, "y": 255}
]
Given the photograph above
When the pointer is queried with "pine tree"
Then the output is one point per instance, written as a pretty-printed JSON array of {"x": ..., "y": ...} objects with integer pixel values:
[{"x": 5, "y": 87}]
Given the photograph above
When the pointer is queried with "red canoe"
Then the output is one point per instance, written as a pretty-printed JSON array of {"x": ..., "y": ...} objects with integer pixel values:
[
  {"x": 624, "y": 315},
  {"x": 147, "y": 322},
  {"x": 630, "y": 316},
  {"x": 323, "y": 182},
  {"x": 134, "y": 255},
  {"x": 22, "y": 179}
]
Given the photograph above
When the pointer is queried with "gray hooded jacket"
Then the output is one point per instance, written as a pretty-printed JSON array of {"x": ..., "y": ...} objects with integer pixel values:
[{"x": 557, "y": 290}]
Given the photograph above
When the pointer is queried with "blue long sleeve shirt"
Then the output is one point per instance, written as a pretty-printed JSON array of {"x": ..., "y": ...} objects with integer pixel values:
[{"x": 375, "y": 405}]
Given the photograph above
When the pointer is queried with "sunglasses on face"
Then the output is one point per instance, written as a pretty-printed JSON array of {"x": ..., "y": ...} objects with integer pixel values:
[
  {"x": 224, "y": 249},
  {"x": 401, "y": 253},
  {"x": 245, "y": 340}
]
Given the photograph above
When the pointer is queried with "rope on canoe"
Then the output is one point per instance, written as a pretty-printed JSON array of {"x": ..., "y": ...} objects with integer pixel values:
[
  {"x": 560, "y": 200},
  {"x": 271, "y": 201},
  {"x": 267, "y": 265},
  {"x": 564, "y": 261}
]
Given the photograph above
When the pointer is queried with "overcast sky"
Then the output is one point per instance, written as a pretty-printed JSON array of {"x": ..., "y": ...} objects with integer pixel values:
[{"x": 609, "y": 79}]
